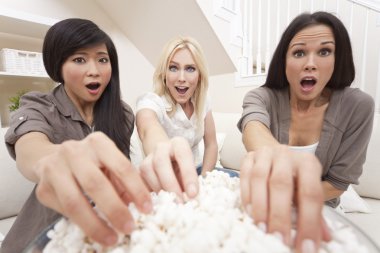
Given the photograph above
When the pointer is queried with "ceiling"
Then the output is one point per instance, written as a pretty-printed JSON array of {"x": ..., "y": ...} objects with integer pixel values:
[{"x": 148, "y": 24}]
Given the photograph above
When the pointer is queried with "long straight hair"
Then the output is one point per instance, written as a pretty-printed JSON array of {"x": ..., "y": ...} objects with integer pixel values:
[{"x": 111, "y": 115}]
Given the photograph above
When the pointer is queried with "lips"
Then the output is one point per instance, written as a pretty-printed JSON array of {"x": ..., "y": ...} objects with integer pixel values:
[
  {"x": 93, "y": 86},
  {"x": 181, "y": 90},
  {"x": 308, "y": 83}
]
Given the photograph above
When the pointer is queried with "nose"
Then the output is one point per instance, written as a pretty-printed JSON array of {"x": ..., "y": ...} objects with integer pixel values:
[
  {"x": 310, "y": 63},
  {"x": 92, "y": 68},
  {"x": 181, "y": 76}
]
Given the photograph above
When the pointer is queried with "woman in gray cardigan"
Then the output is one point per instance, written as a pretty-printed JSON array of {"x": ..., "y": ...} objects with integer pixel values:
[{"x": 306, "y": 104}]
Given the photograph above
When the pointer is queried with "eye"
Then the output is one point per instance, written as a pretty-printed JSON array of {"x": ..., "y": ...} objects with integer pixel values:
[
  {"x": 104, "y": 60},
  {"x": 173, "y": 68},
  {"x": 299, "y": 53},
  {"x": 79, "y": 60},
  {"x": 190, "y": 69},
  {"x": 325, "y": 52}
]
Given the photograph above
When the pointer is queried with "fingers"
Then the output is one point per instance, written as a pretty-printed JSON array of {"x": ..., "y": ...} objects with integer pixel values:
[
  {"x": 183, "y": 156},
  {"x": 326, "y": 234},
  {"x": 253, "y": 179},
  {"x": 309, "y": 203},
  {"x": 61, "y": 193},
  {"x": 171, "y": 168},
  {"x": 260, "y": 178},
  {"x": 245, "y": 181},
  {"x": 270, "y": 179},
  {"x": 149, "y": 175},
  {"x": 94, "y": 166},
  {"x": 281, "y": 194},
  {"x": 163, "y": 168},
  {"x": 121, "y": 169}
]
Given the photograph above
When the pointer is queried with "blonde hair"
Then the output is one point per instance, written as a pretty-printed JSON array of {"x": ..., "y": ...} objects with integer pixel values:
[{"x": 159, "y": 78}]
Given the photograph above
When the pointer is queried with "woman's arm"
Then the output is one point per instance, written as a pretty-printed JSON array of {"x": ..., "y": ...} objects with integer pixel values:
[
  {"x": 30, "y": 148},
  {"x": 150, "y": 130},
  {"x": 211, "y": 145},
  {"x": 329, "y": 191},
  {"x": 256, "y": 135}
]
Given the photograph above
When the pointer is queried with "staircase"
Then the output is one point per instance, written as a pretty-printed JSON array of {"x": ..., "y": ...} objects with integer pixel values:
[{"x": 250, "y": 31}]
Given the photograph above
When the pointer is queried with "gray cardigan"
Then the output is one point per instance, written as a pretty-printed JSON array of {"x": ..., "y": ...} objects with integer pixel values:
[{"x": 345, "y": 135}]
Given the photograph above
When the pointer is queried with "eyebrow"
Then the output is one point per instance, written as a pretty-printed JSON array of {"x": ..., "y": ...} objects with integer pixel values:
[
  {"x": 303, "y": 43},
  {"x": 186, "y": 65},
  {"x": 98, "y": 53}
]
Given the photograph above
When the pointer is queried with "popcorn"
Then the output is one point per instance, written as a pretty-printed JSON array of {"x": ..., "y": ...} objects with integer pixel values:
[{"x": 213, "y": 222}]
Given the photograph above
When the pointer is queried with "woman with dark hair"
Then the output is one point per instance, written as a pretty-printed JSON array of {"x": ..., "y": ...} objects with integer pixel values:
[
  {"x": 305, "y": 105},
  {"x": 64, "y": 141}
]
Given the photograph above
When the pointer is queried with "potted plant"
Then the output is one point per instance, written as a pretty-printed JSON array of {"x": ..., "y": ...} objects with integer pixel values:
[{"x": 15, "y": 100}]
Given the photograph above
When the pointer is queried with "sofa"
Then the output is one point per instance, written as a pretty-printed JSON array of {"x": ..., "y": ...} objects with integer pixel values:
[{"x": 362, "y": 205}]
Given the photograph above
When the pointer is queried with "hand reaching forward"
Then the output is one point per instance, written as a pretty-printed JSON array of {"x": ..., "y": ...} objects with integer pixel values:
[
  {"x": 92, "y": 168},
  {"x": 273, "y": 179},
  {"x": 171, "y": 167}
]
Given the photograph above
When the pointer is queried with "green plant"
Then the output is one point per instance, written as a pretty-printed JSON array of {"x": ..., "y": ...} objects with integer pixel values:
[{"x": 15, "y": 100}]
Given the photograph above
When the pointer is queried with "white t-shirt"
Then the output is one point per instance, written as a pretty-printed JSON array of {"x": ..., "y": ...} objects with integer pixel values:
[
  {"x": 308, "y": 149},
  {"x": 178, "y": 124}
]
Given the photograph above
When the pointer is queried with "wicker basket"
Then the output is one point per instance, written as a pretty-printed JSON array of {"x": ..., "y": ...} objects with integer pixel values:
[{"x": 21, "y": 62}]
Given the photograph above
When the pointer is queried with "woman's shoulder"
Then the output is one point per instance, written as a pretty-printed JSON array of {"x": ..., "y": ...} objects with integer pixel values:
[
  {"x": 36, "y": 99},
  {"x": 266, "y": 94},
  {"x": 150, "y": 97},
  {"x": 152, "y": 101},
  {"x": 357, "y": 97}
]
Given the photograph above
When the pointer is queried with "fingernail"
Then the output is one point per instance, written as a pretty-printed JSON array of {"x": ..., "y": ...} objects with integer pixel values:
[
  {"x": 308, "y": 246},
  {"x": 110, "y": 240},
  {"x": 279, "y": 236},
  {"x": 262, "y": 226},
  {"x": 128, "y": 227},
  {"x": 147, "y": 206},
  {"x": 191, "y": 190},
  {"x": 178, "y": 199}
]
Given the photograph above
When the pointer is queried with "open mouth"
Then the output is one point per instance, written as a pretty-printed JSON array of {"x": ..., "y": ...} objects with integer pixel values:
[
  {"x": 181, "y": 90},
  {"x": 93, "y": 86},
  {"x": 308, "y": 83}
]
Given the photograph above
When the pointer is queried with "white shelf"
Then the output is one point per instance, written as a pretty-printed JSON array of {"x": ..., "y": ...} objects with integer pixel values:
[
  {"x": 24, "y": 24},
  {"x": 8, "y": 74}
]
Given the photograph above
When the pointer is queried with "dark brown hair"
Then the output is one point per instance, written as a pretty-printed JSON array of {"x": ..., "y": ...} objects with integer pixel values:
[
  {"x": 62, "y": 40},
  {"x": 344, "y": 69}
]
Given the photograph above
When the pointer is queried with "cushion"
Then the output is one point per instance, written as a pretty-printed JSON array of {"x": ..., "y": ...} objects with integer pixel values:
[
  {"x": 351, "y": 202},
  {"x": 233, "y": 149},
  {"x": 369, "y": 180}
]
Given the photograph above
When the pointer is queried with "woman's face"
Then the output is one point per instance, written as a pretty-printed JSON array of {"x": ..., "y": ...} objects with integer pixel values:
[
  {"x": 86, "y": 74},
  {"x": 182, "y": 76},
  {"x": 310, "y": 62}
]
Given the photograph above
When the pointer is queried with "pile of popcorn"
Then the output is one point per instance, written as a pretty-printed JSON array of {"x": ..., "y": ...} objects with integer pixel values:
[{"x": 212, "y": 222}]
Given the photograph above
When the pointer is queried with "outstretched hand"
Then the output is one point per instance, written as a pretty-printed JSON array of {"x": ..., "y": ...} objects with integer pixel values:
[
  {"x": 276, "y": 179},
  {"x": 171, "y": 167},
  {"x": 95, "y": 169}
]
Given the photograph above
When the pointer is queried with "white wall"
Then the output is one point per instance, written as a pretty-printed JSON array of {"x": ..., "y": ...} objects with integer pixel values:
[
  {"x": 135, "y": 71},
  {"x": 225, "y": 97}
]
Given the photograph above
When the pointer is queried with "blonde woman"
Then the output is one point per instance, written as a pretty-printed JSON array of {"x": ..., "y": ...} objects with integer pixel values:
[{"x": 179, "y": 107}]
